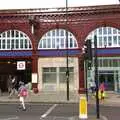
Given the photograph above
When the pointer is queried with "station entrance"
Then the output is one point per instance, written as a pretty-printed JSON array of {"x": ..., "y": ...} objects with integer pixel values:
[
  {"x": 9, "y": 68},
  {"x": 109, "y": 78}
]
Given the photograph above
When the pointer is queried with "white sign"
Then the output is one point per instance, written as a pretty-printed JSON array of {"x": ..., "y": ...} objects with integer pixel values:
[
  {"x": 21, "y": 65},
  {"x": 34, "y": 77}
]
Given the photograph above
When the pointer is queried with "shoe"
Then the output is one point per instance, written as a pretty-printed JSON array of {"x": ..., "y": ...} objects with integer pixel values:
[
  {"x": 20, "y": 107},
  {"x": 24, "y": 109}
]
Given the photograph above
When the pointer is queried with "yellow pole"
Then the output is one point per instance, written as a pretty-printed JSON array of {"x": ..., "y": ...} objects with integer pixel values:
[{"x": 83, "y": 108}]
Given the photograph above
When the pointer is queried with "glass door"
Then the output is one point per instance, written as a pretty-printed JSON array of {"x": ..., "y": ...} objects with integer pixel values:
[{"x": 108, "y": 78}]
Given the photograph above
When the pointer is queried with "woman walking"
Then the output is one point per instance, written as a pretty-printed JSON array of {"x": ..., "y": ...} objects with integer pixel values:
[{"x": 22, "y": 93}]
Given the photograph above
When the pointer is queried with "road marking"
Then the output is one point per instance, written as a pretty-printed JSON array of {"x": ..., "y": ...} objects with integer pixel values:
[
  {"x": 48, "y": 111},
  {"x": 104, "y": 118},
  {"x": 10, "y": 118}
]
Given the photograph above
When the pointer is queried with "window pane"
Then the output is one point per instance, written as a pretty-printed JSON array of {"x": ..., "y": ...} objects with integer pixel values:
[
  {"x": 109, "y": 30},
  {"x": 100, "y": 41},
  {"x": 53, "y": 33},
  {"x": 104, "y": 30},
  {"x": 53, "y": 43},
  {"x": 3, "y": 44},
  {"x": 114, "y": 31},
  {"x": 8, "y": 43},
  {"x": 100, "y": 31},
  {"x": 62, "y": 74},
  {"x": 17, "y": 43},
  {"x": 48, "y": 43},
  {"x": 109, "y": 41},
  {"x": 21, "y": 43},
  {"x": 71, "y": 43},
  {"x": 118, "y": 40},
  {"x": 58, "y": 39},
  {"x": 62, "y": 32},
  {"x": 12, "y": 44},
  {"x": 49, "y": 75},
  {"x": 105, "y": 41},
  {"x": 115, "y": 40}
]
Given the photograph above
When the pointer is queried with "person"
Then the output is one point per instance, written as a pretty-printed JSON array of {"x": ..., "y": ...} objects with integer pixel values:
[
  {"x": 92, "y": 86},
  {"x": 102, "y": 91},
  {"x": 13, "y": 85},
  {"x": 22, "y": 94},
  {"x": 9, "y": 84}
]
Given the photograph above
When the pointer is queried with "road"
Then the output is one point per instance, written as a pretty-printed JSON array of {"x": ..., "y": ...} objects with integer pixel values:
[
  {"x": 41, "y": 111},
  {"x": 48, "y": 111},
  {"x": 111, "y": 112}
]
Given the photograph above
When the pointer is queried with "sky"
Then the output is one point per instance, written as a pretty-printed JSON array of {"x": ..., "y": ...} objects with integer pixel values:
[{"x": 26, "y": 4}]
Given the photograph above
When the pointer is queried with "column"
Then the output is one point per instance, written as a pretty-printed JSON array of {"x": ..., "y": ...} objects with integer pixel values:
[
  {"x": 34, "y": 72},
  {"x": 81, "y": 77}
]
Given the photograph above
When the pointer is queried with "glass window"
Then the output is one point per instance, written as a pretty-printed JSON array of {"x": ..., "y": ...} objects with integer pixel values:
[
  {"x": 105, "y": 41},
  {"x": 115, "y": 63},
  {"x": 3, "y": 34},
  {"x": 105, "y": 63},
  {"x": 57, "y": 32},
  {"x": 114, "y": 31},
  {"x": 109, "y": 41},
  {"x": 110, "y": 63},
  {"x": 17, "y": 34},
  {"x": 71, "y": 42},
  {"x": 49, "y": 75},
  {"x": 48, "y": 43},
  {"x": 3, "y": 44},
  {"x": 100, "y": 63},
  {"x": 12, "y": 44},
  {"x": 57, "y": 43},
  {"x": 40, "y": 45},
  {"x": 13, "y": 38},
  {"x": 44, "y": 43},
  {"x": 109, "y": 30},
  {"x": 118, "y": 40},
  {"x": 26, "y": 44},
  {"x": 8, "y": 44},
  {"x": 100, "y": 41},
  {"x": 62, "y": 32},
  {"x": 17, "y": 43},
  {"x": 75, "y": 43},
  {"x": 0, "y": 44},
  {"x": 58, "y": 40},
  {"x": 115, "y": 40},
  {"x": 104, "y": 30},
  {"x": 21, "y": 43},
  {"x": 53, "y": 33},
  {"x": 100, "y": 31},
  {"x": 62, "y": 74},
  {"x": 8, "y": 33},
  {"x": 12, "y": 33},
  {"x": 62, "y": 43},
  {"x": 53, "y": 42},
  {"x": 118, "y": 31},
  {"x": 48, "y": 33}
]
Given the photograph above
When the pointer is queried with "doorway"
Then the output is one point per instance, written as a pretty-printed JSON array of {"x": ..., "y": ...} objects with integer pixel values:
[{"x": 108, "y": 78}]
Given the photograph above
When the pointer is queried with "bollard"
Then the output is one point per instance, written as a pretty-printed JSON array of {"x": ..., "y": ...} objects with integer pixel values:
[{"x": 83, "y": 108}]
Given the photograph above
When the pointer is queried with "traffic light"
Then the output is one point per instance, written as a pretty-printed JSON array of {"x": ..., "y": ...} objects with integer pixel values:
[{"x": 88, "y": 50}]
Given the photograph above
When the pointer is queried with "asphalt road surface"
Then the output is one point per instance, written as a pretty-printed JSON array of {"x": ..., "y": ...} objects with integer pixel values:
[
  {"x": 111, "y": 112},
  {"x": 41, "y": 112}
]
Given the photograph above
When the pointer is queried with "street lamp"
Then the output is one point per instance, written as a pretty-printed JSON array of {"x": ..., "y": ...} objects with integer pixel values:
[
  {"x": 67, "y": 66},
  {"x": 96, "y": 76}
]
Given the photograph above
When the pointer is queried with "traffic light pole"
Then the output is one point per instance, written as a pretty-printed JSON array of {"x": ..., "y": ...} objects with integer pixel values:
[
  {"x": 67, "y": 64},
  {"x": 96, "y": 76}
]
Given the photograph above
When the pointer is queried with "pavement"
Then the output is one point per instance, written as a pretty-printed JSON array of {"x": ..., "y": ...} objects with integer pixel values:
[{"x": 112, "y": 99}]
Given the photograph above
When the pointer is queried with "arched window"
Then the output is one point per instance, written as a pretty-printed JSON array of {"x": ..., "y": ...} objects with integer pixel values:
[
  {"x": 14, "y": 40},
  {"x": 56, "y": 39},
  {"x": 106, "y": 37}
]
